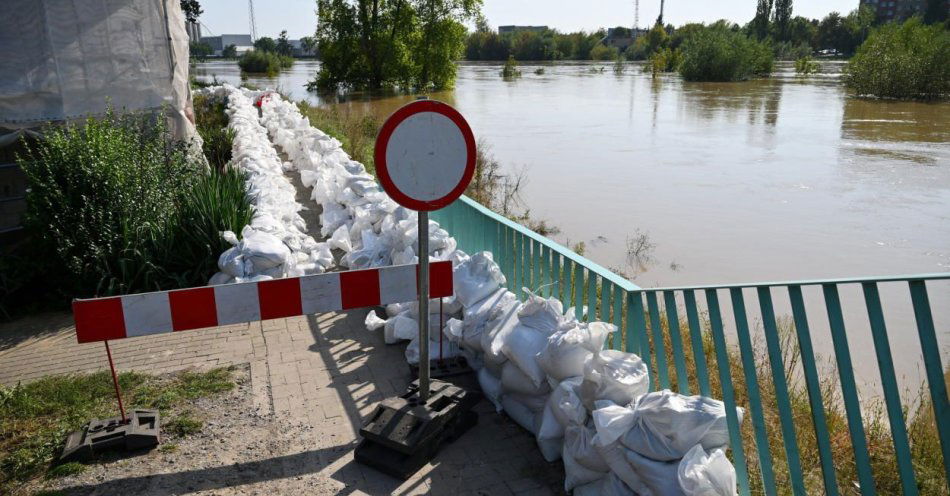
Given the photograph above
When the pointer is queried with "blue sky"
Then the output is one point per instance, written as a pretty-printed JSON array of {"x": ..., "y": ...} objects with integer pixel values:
[{"x": 299, "y": 19}]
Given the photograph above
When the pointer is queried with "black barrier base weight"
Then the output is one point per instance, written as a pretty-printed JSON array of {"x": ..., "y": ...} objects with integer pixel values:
[
  {"x": 403, "y": 433},
  {"x": 453, "y": 370},
  {"x": 140, "y": 432}
]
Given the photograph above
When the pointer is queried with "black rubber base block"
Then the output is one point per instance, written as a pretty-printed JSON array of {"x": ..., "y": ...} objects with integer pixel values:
[{"x": 140, "y": 432}]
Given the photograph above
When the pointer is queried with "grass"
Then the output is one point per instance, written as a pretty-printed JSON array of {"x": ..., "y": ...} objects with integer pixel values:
[
  {"x": 354, "y": 128},
  {"x": 35, "y": 417},
  {"x": 184, "y": 425}
]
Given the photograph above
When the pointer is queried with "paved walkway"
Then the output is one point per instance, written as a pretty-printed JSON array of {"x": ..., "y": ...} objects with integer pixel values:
[{"x": 324, "y": 370}]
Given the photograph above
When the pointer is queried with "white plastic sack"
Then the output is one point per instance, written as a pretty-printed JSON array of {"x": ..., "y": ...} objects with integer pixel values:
[
  {"x": 496, "y": 330},
  {"x": 477, "y": 278},
  {"x": 656, "y": 478},
  {"x": 491, "y": 387},
  {"x": 448, "y": 350},
  {"x": 614, "y": 375},
  {"x": 520, "y": 413},
  {"x": 668, "y": 424},
  {"x": 232, "y": 263},
  {"x": 400, "y": 328},
  {"x": 262, "y": 250},
  {"x": 562, "y": 409},
  {"x": 608, "y": 486},
  {"x": 514, "y": 380},
  {"x": 479, "y": 314},
  {"x": 373, "y": 322},
  {"x": 541, "y": 314},
  {"x": 582, "y": 462},
  {"x": 522, "y": 346},
  {"x": 570, "y": 347},
  {"x": 700, "y": 474}
]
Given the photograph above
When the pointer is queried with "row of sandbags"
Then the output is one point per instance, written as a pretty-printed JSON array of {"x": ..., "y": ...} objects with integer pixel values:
[
  {"x": 585, "y": 405},
  {"x": 358, "y": 217},
  {"x": 276, "y": 243}
]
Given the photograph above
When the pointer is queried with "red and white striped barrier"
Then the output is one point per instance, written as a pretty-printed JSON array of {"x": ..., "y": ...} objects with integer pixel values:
[{"x": 102, "y": 319}]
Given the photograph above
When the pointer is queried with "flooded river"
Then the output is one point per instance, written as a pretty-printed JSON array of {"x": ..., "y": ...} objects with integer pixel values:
[{"x": 780, "y": 179}]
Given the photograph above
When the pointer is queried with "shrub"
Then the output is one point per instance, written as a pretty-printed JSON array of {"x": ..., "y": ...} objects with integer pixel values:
[
  {"x": 510, "y": 70},
  {"x": 806, "y": 65},
  {"x": 116, "y": 207},
  {"x": 908, "y": 60},
  {"x": 604, "y": 52},
  {"x": 716, "y": 54},
  {"x": 665, "y": 60},
  {"x": 262, "y": 62},
  {"x": 212, "y": 125}
]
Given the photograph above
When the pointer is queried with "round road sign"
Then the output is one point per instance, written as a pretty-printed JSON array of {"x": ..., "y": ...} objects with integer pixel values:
[{"x": 425, "y": 155}]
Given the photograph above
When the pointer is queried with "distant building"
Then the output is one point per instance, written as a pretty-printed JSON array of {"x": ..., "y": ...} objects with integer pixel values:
[
  {"x": 891, "y": 10},
  {"x": 194, "y": 31},
  {"x": 621, "y": 37},
  {"x": 515, "y": 29},
  {"x": 218, "y": 43}
]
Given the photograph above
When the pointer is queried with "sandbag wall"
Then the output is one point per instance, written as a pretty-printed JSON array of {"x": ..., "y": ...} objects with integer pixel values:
[{"x": 549, "y": 372}]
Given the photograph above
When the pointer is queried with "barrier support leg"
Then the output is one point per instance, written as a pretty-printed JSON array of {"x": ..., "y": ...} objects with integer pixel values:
[{"x": 115, "y": 382}]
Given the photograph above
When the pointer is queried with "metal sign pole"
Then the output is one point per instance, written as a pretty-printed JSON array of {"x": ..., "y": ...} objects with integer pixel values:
[{"x": 424, "y": 306}]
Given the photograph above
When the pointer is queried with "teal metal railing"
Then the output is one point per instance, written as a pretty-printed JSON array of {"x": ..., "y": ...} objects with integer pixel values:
[{"x": 647, "y": 316}]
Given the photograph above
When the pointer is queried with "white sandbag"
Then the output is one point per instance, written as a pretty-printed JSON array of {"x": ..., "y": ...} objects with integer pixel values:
[
  {"x": 541, "y": 314},
  {"x": 400, "y": 328},
  {"x": 522, "y": 346},
  {"x": 514, "y": 380},
  {"x": 220, "y": 278},
  {"x": 262, "y": 250},
  {"x": 520, "y": 413},
  {"x": 476, "y": 278},
  {"x": 373, "y": 322},
  {"x": 668, "y": 424},
  {"x": 562, "y": 409},
  {"x": 448, "y": 350},
  {"x": 232, "y": 263},
  {"x": 656, "y": 478},
  {"x": 477, "y": 316},
  {"x": 496, "y": 330},
  {"x": 582, "y": 462},
  {"x": 454, "y": 330},
  {"x": 491, "y": 387},
  {"x": 611, "y": 421},
  {"x": 700, "y": 474},
  {"x": 341, "y": 239},
  {"x": 568, "y": 349},
  {"x": 614, "y": 375},
  {"x": 608, "y": 486}
]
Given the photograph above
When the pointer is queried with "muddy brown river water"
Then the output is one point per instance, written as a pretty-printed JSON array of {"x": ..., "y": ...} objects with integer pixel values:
[{"x": 779, "y": 179}]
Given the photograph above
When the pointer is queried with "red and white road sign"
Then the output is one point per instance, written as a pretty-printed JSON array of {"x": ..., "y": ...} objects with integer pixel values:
[
  {"x": 129, "y": 316},
  {"x": 425, "y": 155}
]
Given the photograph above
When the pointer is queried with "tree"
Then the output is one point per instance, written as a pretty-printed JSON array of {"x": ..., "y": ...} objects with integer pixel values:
[
  {"x": 199, "y": 49},
  {"x": 191, "y": 9},
  {"x": 283, "y": 46},
  {"x": 309, "y": 45},
  {"x": 371, "y": 44},
  {"x": 832, "y": 33},
  {"x": 803, "y": 30},
  {"x": 265, "y": 44},
  {"x": 760, "y": 24},
  {"x": 783, "y": 17},
  {"x": 229, "y": 51}
]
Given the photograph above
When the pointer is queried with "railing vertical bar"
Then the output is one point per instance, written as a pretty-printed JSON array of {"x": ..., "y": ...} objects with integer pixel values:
[
  {"x": 814, "y": 390},
  {"x": 728, "y": 395},
  {"x": 604, "y": 311},
  {"x": 592, "y": 297},
  {"x": 486, "y": 232},
  {"x": 696, "y": 339},
  {"x": 519, "y": 265},
  {"x": 566, "y": 283},
  {"x": 752, "y": 389},
  {"x": 502, "y": 254},
  {"x": 578, "y": 290},
  {"x": 659, "y": 347},
  {"x": 617, "y": 317},
  {"x": 676, "y": 339},
  {"x": 639, "y": 343},
  {"x": 934, "y": 368},
  {"x": 848, "y": 388},
  {"x": 784, "y": 404},
  {"x": 545, "y": 289},
  {"x": 892, "y": 397},
  {"x": 557, "y": 284},
  {"x": 536, "y": 266}
]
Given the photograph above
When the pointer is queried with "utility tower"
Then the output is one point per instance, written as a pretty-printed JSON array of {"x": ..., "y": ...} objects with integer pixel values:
[
  {"x": 250, "y": 9},
  {"x": 636, "y": 16},
  {"x": 659, "y": 20}
]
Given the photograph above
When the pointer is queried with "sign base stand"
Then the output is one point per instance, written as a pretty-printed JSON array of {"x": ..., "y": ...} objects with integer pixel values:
[
  {"x": 404, "y": 433},
  {"x": 454, "y": 370},
  {"x": 140, "y": 430}
]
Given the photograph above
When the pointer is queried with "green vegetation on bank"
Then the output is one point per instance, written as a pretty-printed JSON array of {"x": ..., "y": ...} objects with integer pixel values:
[
  {"x": 117, "y": 206},
  {"x": 410, "y": 45},
  {"x": 717, "y": 54},
  {"x": 36, "y": 417},
  {"x": 262, "y": 62},
  {"x": 909, "y": 60}
]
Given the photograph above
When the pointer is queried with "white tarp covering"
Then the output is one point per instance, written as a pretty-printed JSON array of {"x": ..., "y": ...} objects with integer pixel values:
[{"x": 69, "y": 59}]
